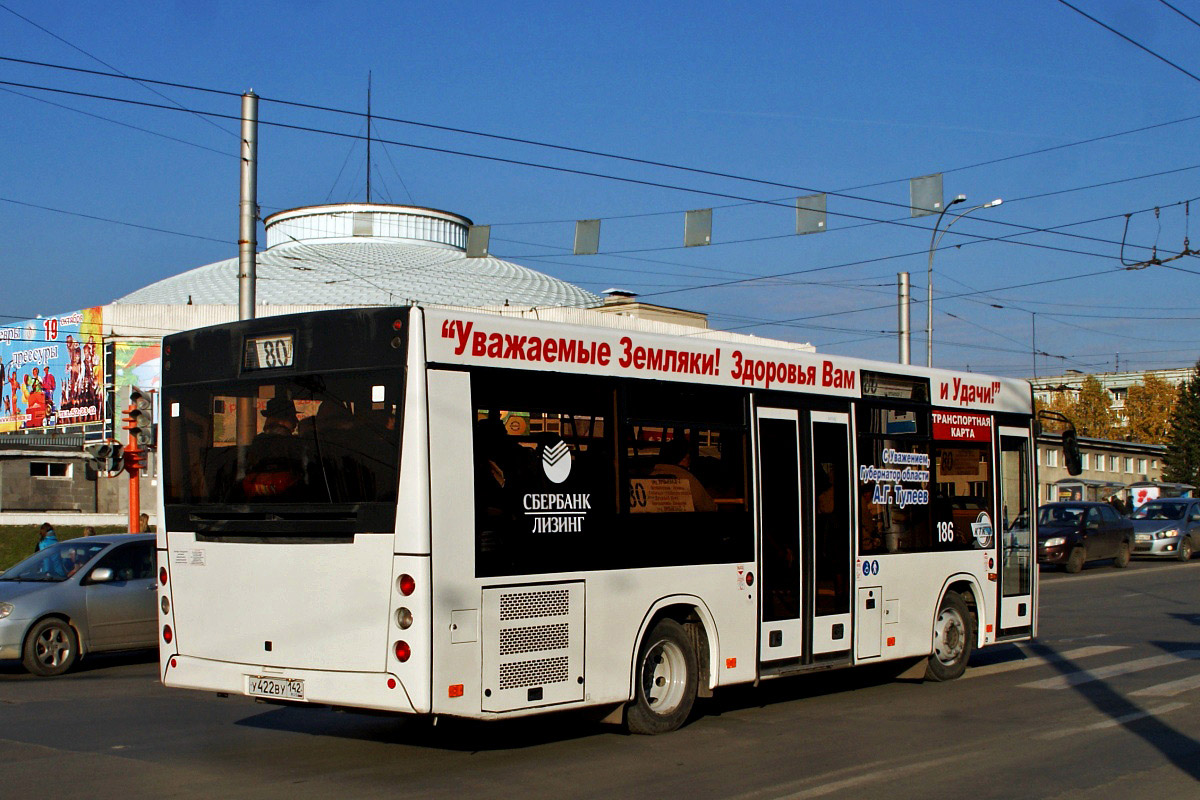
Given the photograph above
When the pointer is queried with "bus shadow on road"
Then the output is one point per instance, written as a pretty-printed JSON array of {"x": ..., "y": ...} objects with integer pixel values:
[
  {"x": 478, "y": 736},
  {"x": 1178, "y": 748},
  {"x": 447, "y": 734}
]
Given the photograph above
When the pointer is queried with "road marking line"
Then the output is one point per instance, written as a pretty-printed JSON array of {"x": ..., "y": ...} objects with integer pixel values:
[
  {"x": 1169, "y": 689},
  {"x": 1100, "y": 673},
  {"x": 1115, "y": 721},
  {"x": 792, "y": 790},
  {"x": 1039, "y": 661}
]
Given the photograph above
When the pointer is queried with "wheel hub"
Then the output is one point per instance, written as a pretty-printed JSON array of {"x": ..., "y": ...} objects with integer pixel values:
[
  {"x": 664, "y": 677},
  {"x": 52, "y": 647},
  {"x": 949, "y": 636}
]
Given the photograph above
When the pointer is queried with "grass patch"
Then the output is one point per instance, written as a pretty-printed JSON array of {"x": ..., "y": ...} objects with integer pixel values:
[{"x": 18, "y": 541}]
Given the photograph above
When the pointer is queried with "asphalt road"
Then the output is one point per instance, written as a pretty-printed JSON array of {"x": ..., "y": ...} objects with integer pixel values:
[{"x": 1103, "y": 705}]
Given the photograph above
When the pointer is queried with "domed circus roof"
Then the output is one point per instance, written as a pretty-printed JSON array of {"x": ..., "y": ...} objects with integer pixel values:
[{"x": 367, "y": 254}]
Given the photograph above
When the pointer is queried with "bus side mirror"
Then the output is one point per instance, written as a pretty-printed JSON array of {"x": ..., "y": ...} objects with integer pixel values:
[{"x": 1072, "y": 458}]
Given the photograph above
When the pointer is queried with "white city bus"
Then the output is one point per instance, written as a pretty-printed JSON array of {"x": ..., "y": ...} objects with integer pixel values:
[{"x": 437, "y": 512}]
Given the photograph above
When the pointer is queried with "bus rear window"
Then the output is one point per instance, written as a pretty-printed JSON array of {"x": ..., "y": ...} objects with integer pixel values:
[{"x": 316, "y": 439}]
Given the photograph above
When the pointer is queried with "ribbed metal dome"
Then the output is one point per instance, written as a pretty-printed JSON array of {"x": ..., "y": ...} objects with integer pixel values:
[{"x": 367, "y": 254}]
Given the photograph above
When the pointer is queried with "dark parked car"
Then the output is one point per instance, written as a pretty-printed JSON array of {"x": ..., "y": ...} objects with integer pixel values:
[
  {"x": 78, "y": 597},
  {"x": 1167, "y": 528},
  {"x": 1074, "y": 533}
]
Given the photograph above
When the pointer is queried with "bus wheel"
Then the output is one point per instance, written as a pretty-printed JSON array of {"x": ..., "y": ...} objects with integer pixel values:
[
  {"x": 50, "y": 648},
  {"x": 953, "y": 640},
  {"x": 667, "y": 675}
]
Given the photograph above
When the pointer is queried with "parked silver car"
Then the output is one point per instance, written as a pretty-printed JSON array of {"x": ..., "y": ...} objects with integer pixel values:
[
  {"x": 78, "y": 597},
  {"x": 1168, "y": 527}
]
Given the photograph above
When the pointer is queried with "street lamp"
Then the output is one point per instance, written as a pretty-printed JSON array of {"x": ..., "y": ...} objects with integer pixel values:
[{"x": 933, "y": 243}]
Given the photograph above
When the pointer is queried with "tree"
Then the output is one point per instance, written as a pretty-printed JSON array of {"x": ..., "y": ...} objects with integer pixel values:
[
  {"x": 1059, "y": 402},
  {"x": 1181, "y": 464},
  {"x": 1148, "y": 408},
  {"x": 1092, "y": 411}
]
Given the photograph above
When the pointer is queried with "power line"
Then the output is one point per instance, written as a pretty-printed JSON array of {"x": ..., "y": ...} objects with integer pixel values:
[
  {"x": 142, "y": 83},
  {"x": 1180, "y": 13},
  {"x": 118, "y": 122},
  {"x": 567, "y": 170},
  {"x": 115, "y": 221},
  {"x": 584, "y": 173},
  {"x": 1133, "y": 42},
  {"x": 593, "y": 153}
]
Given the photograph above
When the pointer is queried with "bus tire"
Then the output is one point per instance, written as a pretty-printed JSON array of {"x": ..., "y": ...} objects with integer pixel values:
[
  {"x": 953, "y": 640},
  {"x": 666, "y": 680},
  {"x": 51, "y": 647}
]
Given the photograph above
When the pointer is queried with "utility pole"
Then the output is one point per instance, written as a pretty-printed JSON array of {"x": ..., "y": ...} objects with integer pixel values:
[
  {"x": 247, "y": 247},
  {"x": 248, "y": 207},
  {"x": 903, "y": 306},
  {"x": 1033, "y": 320}
]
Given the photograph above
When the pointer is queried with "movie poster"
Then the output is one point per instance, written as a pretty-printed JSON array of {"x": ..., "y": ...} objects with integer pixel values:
[{"x": 51, "y": 371}]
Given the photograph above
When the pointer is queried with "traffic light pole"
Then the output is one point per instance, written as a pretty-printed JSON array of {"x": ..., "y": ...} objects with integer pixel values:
[
  {"x": 134, "y": 456},
  {"x": 139, "y": 423}
]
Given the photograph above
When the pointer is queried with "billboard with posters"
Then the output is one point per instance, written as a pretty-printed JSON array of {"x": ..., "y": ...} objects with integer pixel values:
[
  {"x": 51, "y": 371},
  {"x": 135, "y": 364}
]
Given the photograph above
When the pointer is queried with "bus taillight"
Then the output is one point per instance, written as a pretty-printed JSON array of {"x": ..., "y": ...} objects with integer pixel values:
[
  {"x": 403, "y": 651},
  {"x": 406, "y": 584},
  {"x": 162, "y": 575},
  {"x": 167, "y": 635}
]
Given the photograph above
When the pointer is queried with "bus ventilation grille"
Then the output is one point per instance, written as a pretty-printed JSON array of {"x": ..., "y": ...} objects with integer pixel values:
[
  {"x": 516, "y": 674},
  {"x": 528, "y": 605},
  {"x": 533, "y": 645}
]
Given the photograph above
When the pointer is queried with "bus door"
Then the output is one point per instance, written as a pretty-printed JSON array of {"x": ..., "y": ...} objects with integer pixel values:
[
  {"x": 781, "y": 632},
  {"x": 832, "y": 532},
  {"x": 1017, "y": 558}
]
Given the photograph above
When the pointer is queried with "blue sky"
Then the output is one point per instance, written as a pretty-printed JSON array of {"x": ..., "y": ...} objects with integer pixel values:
[{"x": 827, "y": 97}]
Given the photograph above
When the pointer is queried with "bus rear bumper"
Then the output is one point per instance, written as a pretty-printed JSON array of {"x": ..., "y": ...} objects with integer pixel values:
[{"x": 381, "y": 691}]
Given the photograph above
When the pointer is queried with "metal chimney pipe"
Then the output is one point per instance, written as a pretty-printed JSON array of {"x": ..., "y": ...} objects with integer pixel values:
[
  {"x": 902, "y": 307},
  {"x": 248, "y": 207}
]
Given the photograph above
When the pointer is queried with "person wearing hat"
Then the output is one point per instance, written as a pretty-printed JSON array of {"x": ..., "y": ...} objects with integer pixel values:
[
  {"x": 275, "y": 458},
  {"x": 279, "y": 417}
]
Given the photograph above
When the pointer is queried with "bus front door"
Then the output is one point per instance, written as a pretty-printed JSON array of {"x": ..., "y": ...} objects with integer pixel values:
[
  {"x": 781, "y": 632},
  {"x": 1017, "y": 562}
]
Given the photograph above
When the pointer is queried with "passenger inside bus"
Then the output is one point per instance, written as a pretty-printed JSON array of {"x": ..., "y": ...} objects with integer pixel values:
[
  {"x": 675, "y": 459},
  {"x": 275, "y": 459}
]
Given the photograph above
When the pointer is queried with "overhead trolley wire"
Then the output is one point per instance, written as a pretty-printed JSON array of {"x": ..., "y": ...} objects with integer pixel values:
[
  {"x": 548, "y": 167},
  {"x": 581, "y": 151},
  {"x": 1132, "y": 41}
]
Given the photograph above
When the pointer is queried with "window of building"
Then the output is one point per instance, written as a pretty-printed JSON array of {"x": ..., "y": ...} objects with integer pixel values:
[
  {"x": 1039, "y": 455},
  {"x": 1114, "y": 463},
  {"x": 1128, "y": 464},
  {"x": 1142, "y": 466},
  {"x": 1085, "y": 459},
  {"x": 1099, "y": 463},
  {"x": 1051, "y": 457},
  {"x": 49, "y": 469},
  {"x": 1154, "y": 463}
]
